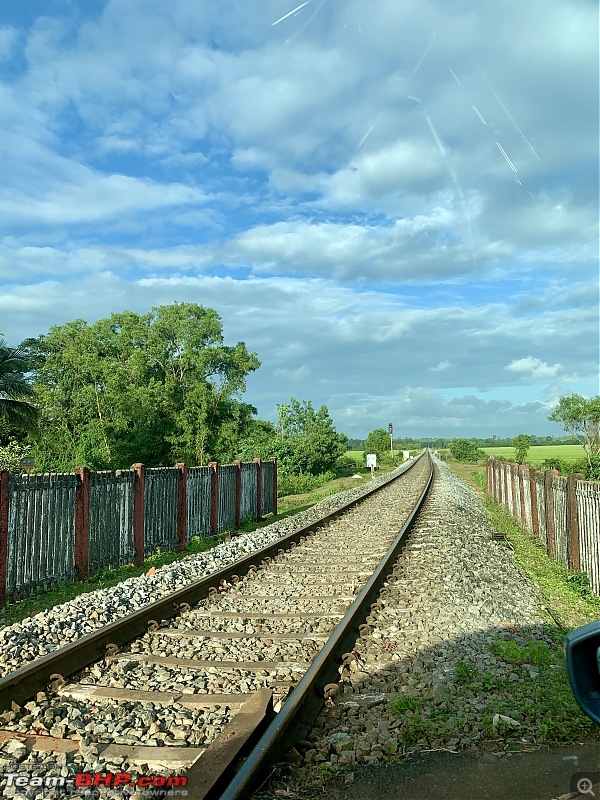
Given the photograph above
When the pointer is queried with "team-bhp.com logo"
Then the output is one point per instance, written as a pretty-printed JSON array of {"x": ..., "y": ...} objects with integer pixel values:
[{"x": 92, "y": 780}]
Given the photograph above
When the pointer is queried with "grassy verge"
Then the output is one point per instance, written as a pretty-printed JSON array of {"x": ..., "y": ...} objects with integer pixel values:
[
  {"x": 539, "y": 708},
  {"x": 62, "y": 593},
  {"x": 566, "y": 595},
  {"x": 529, "y": 704}
]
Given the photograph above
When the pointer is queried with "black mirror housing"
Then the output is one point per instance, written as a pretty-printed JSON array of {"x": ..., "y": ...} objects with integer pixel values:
[{"x": 582, "y": 652}]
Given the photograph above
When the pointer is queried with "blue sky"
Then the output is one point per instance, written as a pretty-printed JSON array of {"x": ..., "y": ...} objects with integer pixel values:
[{"x": 394, "y": 204}]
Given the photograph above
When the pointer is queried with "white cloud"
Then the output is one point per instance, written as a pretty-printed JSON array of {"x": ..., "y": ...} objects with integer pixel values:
[
  {"x": 533, "y": 368},
  {"x": 171, "y": 152}
]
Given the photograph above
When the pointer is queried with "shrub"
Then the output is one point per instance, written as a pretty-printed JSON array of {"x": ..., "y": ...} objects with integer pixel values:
[
  {"x": 465, "y": 450},
  {"x": 297, "y": 484},
  {"x": 11, "y": 455},
  {"x": 592, "y": 472}
]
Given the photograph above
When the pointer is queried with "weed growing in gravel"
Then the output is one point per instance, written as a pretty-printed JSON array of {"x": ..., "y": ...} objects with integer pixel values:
[
  {"x": 534, "y": 652},
  {"x": 464, "y": 672},
  {"x": 530, "y": 690},
  {"x": 408, "y": 702}
]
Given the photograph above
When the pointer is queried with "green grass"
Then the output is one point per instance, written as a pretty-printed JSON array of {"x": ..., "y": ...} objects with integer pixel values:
[
  {"x": 537, "y": 455},
  {"x": 543, "y": 705}
]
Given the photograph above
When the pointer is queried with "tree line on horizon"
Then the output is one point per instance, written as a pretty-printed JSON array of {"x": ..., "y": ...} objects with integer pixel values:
[
  {"x": 163, "y": 387},
  {"x": 156, "y": 388}
]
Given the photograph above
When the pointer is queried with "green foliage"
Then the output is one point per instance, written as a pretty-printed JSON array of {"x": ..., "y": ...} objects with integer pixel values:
[
  {"x": 156, "y": 388},
  {"x": 257, "y": 440},
  {"x": 16, "y": 393},
  {"x": 11, "y": 455},
  {"x": 465, "y": 451},
  {"x": 521, "y": 443},
  {"x": 307, "y": 442},
  {"x": 378, "y": 442},
  {"x": 592, "y": 469},
  {"x": 580, "y": 583},
  {"x": 479, "y": 479},
  {"x": 580, "y": 416},
  {"x": 533, "y": 652},
  {"x": 464, "y": 672},
  {"x": 297, "y": 484}
]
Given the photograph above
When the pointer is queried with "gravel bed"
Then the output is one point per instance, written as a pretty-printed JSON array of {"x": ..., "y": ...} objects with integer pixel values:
[
  {"x": 455, "y": 591},
  {"x": 132, "y": 675},
  {"x": 35, "y": 636},
  {"x": 121, "y": 723},
  {"x": 133, "y": 723},
  {"x": 213, "y": 649}
]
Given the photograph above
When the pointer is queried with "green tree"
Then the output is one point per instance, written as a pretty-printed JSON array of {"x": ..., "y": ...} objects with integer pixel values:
[
  {"x": 307, "y": 442},
  {"x": 16, "y": 410},
  {"x": 378, "y": 442},
  {"x": 156, "y": 388},
  {"x": 465, "y": 450},
  {"x": 11, "y": 455},
  {"x": 521, "y": 443},
  {"x": 580, "y": 416}
]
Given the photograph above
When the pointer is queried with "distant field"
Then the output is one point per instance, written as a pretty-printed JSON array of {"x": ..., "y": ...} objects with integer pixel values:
[{"x": 536, "y": 455}]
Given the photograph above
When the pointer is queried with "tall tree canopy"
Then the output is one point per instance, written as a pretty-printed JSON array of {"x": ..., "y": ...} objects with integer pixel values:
[
  {"x": 154, "y": 388},
  {"x": 16, "y": 393},
  {"x": 580, "y": 416}
]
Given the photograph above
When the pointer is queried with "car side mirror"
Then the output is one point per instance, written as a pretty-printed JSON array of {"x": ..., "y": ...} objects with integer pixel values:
[{"x": 582, "y": 652}]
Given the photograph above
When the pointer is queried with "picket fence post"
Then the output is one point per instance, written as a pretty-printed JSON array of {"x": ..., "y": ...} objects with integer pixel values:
[
  {"x": 4, "y": 495},
  {"x": 274, "y": 460},
  {"x": 181, "y": 506},
  {"x": 214, "y": 497},
  {"x": 573, "y": 524},
  {"x": 139, "y": 489},
  {"x": 535, "y": 519},
  {"x": 521, "y": 474},
  {"x": 258, "y": 462},
  {"x": 81, "y": 546},
  {"x": 238, "y": 493},
  {"x": 549, "y": 499}
]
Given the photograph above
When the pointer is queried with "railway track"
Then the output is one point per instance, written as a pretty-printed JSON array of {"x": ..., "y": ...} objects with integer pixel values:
[{"x": 235, "y": 665}]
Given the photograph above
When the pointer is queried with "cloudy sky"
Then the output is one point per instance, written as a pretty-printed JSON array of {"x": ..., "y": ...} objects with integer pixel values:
[{"x": 395, "y": 204}]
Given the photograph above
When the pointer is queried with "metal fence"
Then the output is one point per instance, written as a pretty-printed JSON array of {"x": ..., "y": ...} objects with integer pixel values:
[
  {"x": 160, "y": 509},
  {"x": 111, "y": 519},
  {"x": 198, "y": 502},
  {"x": 62, "y": 527},
  {"x": 249, "y": 493},
  {"x": 269, "y": 473},
  {"x": 227, "y": 497},
  {"x": 562, "y": 513},
  {"x": 41, "y": 511}
]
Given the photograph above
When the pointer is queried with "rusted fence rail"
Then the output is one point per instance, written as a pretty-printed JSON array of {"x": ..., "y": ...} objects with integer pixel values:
[
  {"x": 64, "y": 527},
  {"x": 562, "y": 513}
]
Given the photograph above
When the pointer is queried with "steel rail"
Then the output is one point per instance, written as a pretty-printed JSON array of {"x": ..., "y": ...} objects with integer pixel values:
[
  {"x": 25, "y": 682},
  {"x": 299, "y": 711}
]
